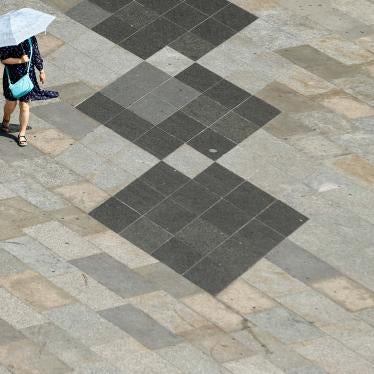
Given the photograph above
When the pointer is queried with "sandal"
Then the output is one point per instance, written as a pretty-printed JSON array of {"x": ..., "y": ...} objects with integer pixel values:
[
  {"x": 22, "y": 141},
  {"x": 5, "y": 126}
]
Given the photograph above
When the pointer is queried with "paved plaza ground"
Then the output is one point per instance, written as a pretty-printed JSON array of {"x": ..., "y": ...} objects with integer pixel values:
[{"x": 200, "y": 197}]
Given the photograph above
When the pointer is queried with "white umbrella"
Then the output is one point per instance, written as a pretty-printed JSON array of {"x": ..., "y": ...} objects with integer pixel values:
[{"x": 19, "y": 25}]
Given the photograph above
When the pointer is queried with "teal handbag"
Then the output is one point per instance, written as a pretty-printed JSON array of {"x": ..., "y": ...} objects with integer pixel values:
[{"x": 24, "y": 85}]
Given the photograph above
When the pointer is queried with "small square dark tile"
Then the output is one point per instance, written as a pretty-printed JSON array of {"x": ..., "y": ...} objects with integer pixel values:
[
  {"x": 211, "y": 144},
  {"x": 194, "y": 197},
  {"x": 234, "y": 127},
  {"x": 146, "y": 235},
  {"x": 227, "y": 217},
  {"x": 213, "y": 31},
  {"x": 202, "y": 236},
  {"x": 139, "y": 196},
  {"x": 171, "y": 216},
  {"x": 227, "y": 94},
  {"x": 100, "y": 108},
  {"x": 114, "y": 29},
  {"x": 137, "y": 15},
  {"x": 257, "y": 111},
  {"x": 208, "y": 7},
  {"x": 181, "y": 126},
  {"x": 129, "y": 125},
  {"x": 152, "y": 38},
  {"x": 218, "y": 179},
  {"x": 192, "y": 46},
  {"x": 198, "y": 77},
  {"x": 210, "y": 276},
  {"x": 177, "y": 255},
  {"x": 205, "y": 110},
  {"x": 111, "y": 5},
  {"x": 158, "y": 142},
  {"x": 282, "y": 218},
  {"x": 160, "y": 6},
  {"x": 164, "y": 178},
  {"x": 250, "y": 198},
  {"x": 185, "y": 16},
  {"x": 235, "y": 17},
  {"x": 114, "y": 214}
]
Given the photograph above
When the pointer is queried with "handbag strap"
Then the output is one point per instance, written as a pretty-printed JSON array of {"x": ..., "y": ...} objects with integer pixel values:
[{"x": 28, "y": 64}]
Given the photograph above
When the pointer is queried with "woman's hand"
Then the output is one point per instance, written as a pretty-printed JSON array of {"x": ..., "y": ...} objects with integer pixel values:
[
  {"x": 42, "y": 76},
  {"x": 24, "y": 59}
]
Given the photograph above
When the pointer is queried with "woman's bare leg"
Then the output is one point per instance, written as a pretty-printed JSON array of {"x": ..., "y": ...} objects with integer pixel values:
[
  {"x": 24, "y": 115},
  {"x": 9, "y": 107}
]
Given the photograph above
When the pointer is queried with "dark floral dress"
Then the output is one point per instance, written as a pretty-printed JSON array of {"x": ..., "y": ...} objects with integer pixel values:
[{"x": 17, "y": 71}]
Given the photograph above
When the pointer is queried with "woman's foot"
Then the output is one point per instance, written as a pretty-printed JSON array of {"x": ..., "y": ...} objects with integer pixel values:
[
  {"x": 22, "y": 141},
  {"x": 5, "y": 126}
]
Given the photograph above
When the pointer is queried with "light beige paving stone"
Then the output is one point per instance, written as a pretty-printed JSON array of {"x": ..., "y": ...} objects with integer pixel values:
[
  {"x": 84, "y": 195},
  {"x": 189, "y": 359},
  {"x": 256, "y": 5},
  {"x": 6, "y": 193},
  {"x": 168, "y": 311},
  {"x": 48, "y": 44},
  {"x": 27, "y": 357},
  {"x": 357, "y": 167},
  {"x": 87, "y": 290},
  {"x": 17, "y": 313},
  {"x": 188, "y": 161},
  {"x": 254, "y": 365},
  {"x": 35, "y": 290},
  {"x": 333, "y": 356},
  {"x": 9, "y": 264},
  {"x": 272, "y": 280},
  {"x": 361, "y": 9},
  {"x": 348, "y": 106},
  {"x": 214, "y": 311},
  {"x": 63, "y": 5},
  {"x": 366, "y": 42},
  {"x": 346, "y": 292},
  {"x": 170, "y": 61},
  {"x": 244, "y": 298},
  {"x": 51, "y": 141},
  {"x": 121, "y": 249},
  {"x": 74, "y": 93},
  {"x": 61, "y": 240}
]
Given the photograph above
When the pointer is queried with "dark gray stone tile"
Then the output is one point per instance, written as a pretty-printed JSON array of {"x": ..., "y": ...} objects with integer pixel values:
[
  {"x": 171, "y": 216},
  {"x": 250, "y": 198},
  {"x": 158, "y": 142},
  {"x": 227, "y": 94},
  {"x": 100, "y": 108},
  {"x": 181, "y": 126},
  {"x": 129, "y": 125},
  {"x": 88, "y": 14},
  {"x": 185, "y": 16},
  {"x": 211, "y": 144},
  {"x": 257, "y": 111},
  {"x": 234, "y": 127},
  {"x": 135, "y": 84},
  {"x": 8, "y": 334},
  {"x": 160, "y": 6},
  {"x": 192, "y": 46},
  {"x": 140, "y": 326},
  {"x": 65, "y": 118},
  {"x": 194, "y": 197},
  {"x": 114, "y": 214},
  {"x": 111, "y": 5},
  {"x": 114, "y": 275},
  {"x": 137, "y": 15},
  {"x": 177, "y": 255},
  {"x": 164, "y": 178},
  {"x": 146, "y": 234},
  {"x": 198, "y": 77},
  {"x": 205, "y": 110},
  {"x": 213, "y": 31},
  {"x": 235, "y": 17},
  {"x": 202, "y": 236},
  {"x": 218, "y": 179},
  {"x": 282, "y": 218},
  {"x": 139, "y": 196},
  {"x": 115, "y": 29},
  {"x": 152, "y": 38},
  {"x": 225, "y": 216},
  {"x": 300, "y": 263},
  {"x": 208, "y": 7}
]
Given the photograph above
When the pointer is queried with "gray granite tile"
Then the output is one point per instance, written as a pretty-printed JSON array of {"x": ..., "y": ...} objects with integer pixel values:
[{"x": 87, "y": 13}]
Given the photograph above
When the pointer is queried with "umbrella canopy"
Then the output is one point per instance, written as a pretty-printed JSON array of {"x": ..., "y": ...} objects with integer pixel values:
[{"x": 19, "y": 25}]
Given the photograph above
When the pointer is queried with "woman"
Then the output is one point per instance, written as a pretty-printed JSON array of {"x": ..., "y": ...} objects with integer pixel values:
[{"x": 16, "y": 59}]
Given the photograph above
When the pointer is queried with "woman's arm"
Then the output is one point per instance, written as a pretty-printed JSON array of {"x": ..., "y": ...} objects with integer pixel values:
[
  {"x": 37, "y": 58},
  {"x": 15, "y": 61}
]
